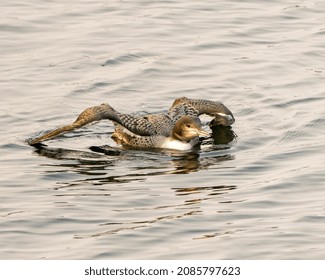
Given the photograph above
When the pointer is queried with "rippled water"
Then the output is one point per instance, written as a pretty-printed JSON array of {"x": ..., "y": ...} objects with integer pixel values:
[{"x": 257, "y": 196}]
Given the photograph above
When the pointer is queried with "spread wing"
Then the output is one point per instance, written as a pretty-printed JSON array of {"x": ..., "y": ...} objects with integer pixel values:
[
  {"x": 160, "y": 124},
  {"x": 138, "y": 125},
  {"x": 196, "y": 107}
]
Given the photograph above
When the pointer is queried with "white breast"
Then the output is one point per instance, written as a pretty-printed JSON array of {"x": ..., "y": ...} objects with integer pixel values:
[{"x": 176, "y": 145}]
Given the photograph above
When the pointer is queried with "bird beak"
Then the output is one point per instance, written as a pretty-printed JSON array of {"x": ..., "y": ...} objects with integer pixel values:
[{"x": 202, "y": 132}]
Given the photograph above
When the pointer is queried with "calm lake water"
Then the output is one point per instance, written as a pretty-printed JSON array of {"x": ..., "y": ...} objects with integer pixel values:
[{"x": 257, "y": 196}]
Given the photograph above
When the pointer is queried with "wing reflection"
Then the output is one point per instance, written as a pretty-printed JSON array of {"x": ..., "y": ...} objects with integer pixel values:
[{"x": 223, "y": 135}]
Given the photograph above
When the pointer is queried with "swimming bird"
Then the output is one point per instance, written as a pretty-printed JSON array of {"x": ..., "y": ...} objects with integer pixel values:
[
  {"x": 180, "y": 125},
  {"x": 184, "y": 135}
]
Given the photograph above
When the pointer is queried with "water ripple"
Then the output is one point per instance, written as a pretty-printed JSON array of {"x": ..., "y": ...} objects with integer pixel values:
[{"x": 251, "y": 191}]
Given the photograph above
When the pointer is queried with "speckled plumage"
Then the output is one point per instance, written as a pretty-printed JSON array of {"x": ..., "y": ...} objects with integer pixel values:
[
  {"x": 149, "y": 130},
  {"x": 183, "y": 136},
  {"x": 197, "y": 107}
]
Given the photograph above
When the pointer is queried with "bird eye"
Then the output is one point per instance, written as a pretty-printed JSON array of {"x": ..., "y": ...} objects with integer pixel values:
[{"x": 188, "y": 125}]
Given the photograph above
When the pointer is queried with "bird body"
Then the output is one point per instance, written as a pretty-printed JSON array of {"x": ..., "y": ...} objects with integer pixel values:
[
  {"x": 179, "y": 128},
  {"x": 183, "y": 136}
]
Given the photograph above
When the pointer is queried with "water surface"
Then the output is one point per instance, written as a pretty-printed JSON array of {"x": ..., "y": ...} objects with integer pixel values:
[{"x": 257, "y": 196}]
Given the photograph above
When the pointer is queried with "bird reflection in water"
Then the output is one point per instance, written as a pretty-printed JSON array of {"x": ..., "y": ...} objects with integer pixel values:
[
  {"x": 222, "y": 135},
  {"x": 101, "y": 172},
  {"x": 101, "y": 158}
]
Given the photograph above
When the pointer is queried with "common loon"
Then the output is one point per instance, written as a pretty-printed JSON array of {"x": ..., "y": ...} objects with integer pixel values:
[
  {"x": 178, "y": 129},
  {"x": 184, "y": 135}
]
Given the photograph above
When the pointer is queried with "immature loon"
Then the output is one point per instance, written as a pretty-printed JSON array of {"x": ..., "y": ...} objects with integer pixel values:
[
  {"x": 178, "y": 129},
  {"x": 184, "y": 135}
]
